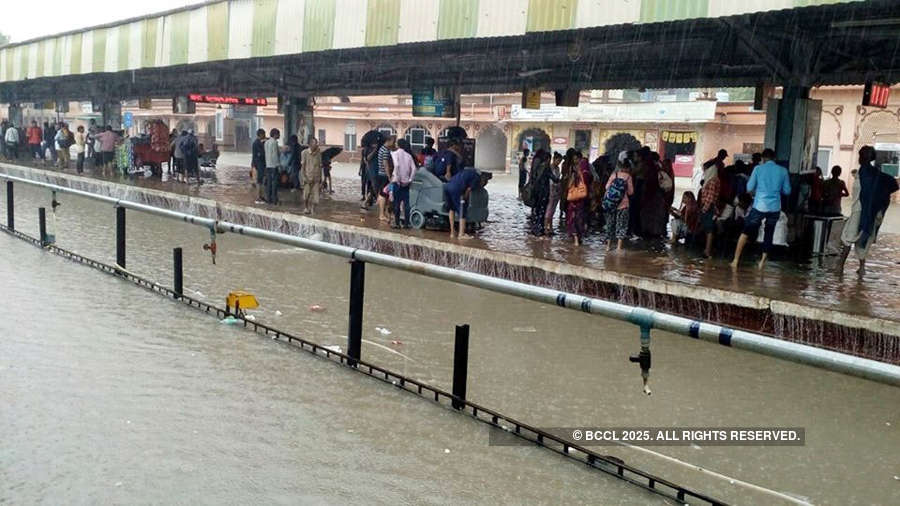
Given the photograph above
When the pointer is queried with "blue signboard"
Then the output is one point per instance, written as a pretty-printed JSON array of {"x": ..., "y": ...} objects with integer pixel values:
[
  {"x": 127, "y": 119},
  {"x": 434, "y": 102}
]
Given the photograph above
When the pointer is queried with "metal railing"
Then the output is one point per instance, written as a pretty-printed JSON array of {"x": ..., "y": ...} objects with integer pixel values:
[{"x": 645, "y": 319}]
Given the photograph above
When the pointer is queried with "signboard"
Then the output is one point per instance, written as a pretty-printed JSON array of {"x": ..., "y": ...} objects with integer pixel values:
[
  {"x": 145, "y": 103},
  {"x": 439, "y": 102},
  {"x": 127, "y": 119},
  {"x": 652, "y": 112},
  {"x": 531, "y": 98},
  {"x": 876, "y": 94},
  {"x": 224, "y": 99}
]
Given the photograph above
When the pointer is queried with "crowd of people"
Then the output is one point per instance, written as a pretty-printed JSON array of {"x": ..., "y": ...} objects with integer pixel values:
[
  {"x": 630, "y": 195},
  {"x": 301, "y": 168}
]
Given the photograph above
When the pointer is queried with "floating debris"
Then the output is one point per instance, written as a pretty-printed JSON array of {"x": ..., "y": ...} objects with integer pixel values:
[
  {"x": 524, "y": 329},
  {"x": 278, "y": 313},
  {"x": 383, "y": 331},
  {"x": 396, "y": 342},
  {"x": 333, "y": 347},
  {"x": 315, "y": 308},
  {"x": 229, "y": 320}
]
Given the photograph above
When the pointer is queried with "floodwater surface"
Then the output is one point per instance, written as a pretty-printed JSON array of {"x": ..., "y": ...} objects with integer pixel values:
[{"x": 112, "y": 394}]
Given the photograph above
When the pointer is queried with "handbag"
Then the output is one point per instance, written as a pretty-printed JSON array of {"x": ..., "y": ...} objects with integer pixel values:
[{"x": 577, "y": 192}]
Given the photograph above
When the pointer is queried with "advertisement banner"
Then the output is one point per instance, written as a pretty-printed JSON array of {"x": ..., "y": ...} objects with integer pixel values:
[{"x": 439, "y": 102}]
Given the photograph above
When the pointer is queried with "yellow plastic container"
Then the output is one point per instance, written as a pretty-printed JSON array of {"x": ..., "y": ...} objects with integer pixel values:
[{"x": 246, "y": 300}]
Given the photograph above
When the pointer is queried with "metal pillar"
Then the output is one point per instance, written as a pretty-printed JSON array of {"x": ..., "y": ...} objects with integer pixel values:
[
  {"x": 112, "y": 114},
  {"x": 298, "y": 118},
  {"x": 120, "y": 237},
  {"x": 10, "y": 206},
  {"x": 792, "y": 128},
  {"x": 42, "y": 225},
  {"x": 460, "y": 365},
  {"x": 357, "y": 291},
  {"x": 178, "y": 285}
]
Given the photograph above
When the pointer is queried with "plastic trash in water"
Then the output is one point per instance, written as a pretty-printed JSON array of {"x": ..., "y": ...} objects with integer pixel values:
[
  {"x": 396, "y": 342},
  {"x": 278, "y": 313},
  {"x": 333, "y": 347},
  {"x": 315, "y": 308},
  {"x": 446, "y": 450},
  {"x": 250, "y": 317},
  {"x": 230, "y": 320},
  {"x": 383, "y": 331}
]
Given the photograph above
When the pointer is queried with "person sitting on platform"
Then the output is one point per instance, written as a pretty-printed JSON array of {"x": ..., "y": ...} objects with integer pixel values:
[{"x": 686, "y": 219}]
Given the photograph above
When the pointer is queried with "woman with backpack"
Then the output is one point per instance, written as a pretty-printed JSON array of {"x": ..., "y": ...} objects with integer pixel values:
[{"x": 615, "y": 203}]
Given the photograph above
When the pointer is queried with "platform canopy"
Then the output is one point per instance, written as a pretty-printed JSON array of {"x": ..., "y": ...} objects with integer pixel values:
[{"x": 356, "y": 47}]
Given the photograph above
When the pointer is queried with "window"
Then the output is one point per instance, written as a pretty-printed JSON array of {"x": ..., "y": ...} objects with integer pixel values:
[
  {"x": 823, "y": 159},
  {"x": 583, "y": 141},
  {"x": 350, "y": 142},
  {"x": 386, "y": 129},
  {"x": 415, "y": 135},
  {"x": 321, "y": 136}
]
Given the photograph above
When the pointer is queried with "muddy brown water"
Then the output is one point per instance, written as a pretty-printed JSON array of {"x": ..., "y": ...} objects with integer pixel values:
[{"x": 113, "y": 394}]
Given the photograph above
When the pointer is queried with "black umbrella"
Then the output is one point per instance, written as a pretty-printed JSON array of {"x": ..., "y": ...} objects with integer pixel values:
[
  {"x": 372, "y": 137},
  {"x": 330, "y": 153}
]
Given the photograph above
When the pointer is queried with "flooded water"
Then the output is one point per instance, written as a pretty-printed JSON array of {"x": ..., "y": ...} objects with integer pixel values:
[
  {"x": 112, "y": 394},
  {"x": 808, "y": 283}
]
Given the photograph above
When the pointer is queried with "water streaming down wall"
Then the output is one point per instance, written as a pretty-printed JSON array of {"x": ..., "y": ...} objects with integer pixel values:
[{"x": 872, "y": 338}]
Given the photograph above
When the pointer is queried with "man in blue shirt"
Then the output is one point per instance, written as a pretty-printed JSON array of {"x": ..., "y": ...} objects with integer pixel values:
[
  {"x": 456, "y": 197},
  {"x": 769, "y": 181}
]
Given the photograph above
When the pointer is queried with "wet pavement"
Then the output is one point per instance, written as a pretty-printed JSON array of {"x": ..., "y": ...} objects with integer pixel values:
[{"x": 812, "y": 283}]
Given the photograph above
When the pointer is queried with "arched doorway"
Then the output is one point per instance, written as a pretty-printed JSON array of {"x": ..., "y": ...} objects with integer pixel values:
[
  {"x": 490, "y": 149},
  {"x": 619, "y": 142},
  {"x": 533, "y": 139},
  {"x": 416, "y": 135}
]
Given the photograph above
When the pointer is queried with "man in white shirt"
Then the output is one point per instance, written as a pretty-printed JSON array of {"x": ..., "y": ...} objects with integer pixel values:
[
  {"x": 12, "y": 142},
  {"x": 404, "y": 172},
  {"x": 273, "y": 159}
]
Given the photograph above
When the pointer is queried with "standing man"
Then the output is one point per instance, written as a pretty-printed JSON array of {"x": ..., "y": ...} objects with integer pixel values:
[
  {"x": 770, "y": 181},
  {"x": 404, "y": 172},
  {"x": 63, "y": 142},
  {"x": 258, "y": 164},
  {"x": 178, "y": 155},
  {"x": 11, "y": 138},
  {"x": 273, "y": 160},
  {"x": 385, "y": 169},
  {"x": 190, "y": 153},
  {"x": 311, "y": 162},
  {"x": 871, "y": 197},
  {"x": 33, "y": 136},
  {"x": 523, "y": 171},
  {"x": 107, "y": 140},
  {"x": 80, "y": 142}
]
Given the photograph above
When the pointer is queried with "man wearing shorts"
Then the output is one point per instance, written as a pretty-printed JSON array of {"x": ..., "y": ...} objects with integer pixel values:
[
  {"x": 456, "y": 191},
  {"x": 770, "y": 181}
]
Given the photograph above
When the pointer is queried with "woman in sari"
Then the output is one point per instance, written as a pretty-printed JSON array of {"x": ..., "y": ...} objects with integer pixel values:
[
  {"x": 654, "y": 203},
  {"x": 575, "y": 204}
]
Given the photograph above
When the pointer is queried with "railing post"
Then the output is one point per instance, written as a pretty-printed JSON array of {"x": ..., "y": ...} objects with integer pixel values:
[
  {"x": 120, "y": 237},
  {"x": 10, "y": 206},
  {"x": 460, "y": 365},
  {"x": 357, "y": 291},
  {"x": 178, "y": 285},
  {"x": 42, "y": 225}
]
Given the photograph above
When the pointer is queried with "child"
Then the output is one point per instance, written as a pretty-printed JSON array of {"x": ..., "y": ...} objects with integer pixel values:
[{"x": 687, "y": 218}]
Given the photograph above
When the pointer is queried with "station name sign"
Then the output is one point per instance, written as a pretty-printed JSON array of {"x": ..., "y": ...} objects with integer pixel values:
[
  {"x": 224, "y": 99},
  {"x": 876, "y": 94}
]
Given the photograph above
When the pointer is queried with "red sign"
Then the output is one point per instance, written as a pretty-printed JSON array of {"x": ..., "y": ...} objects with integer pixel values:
[
  {"x": 876, "y": 94},
  {"x": 219, "y": 99}
]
